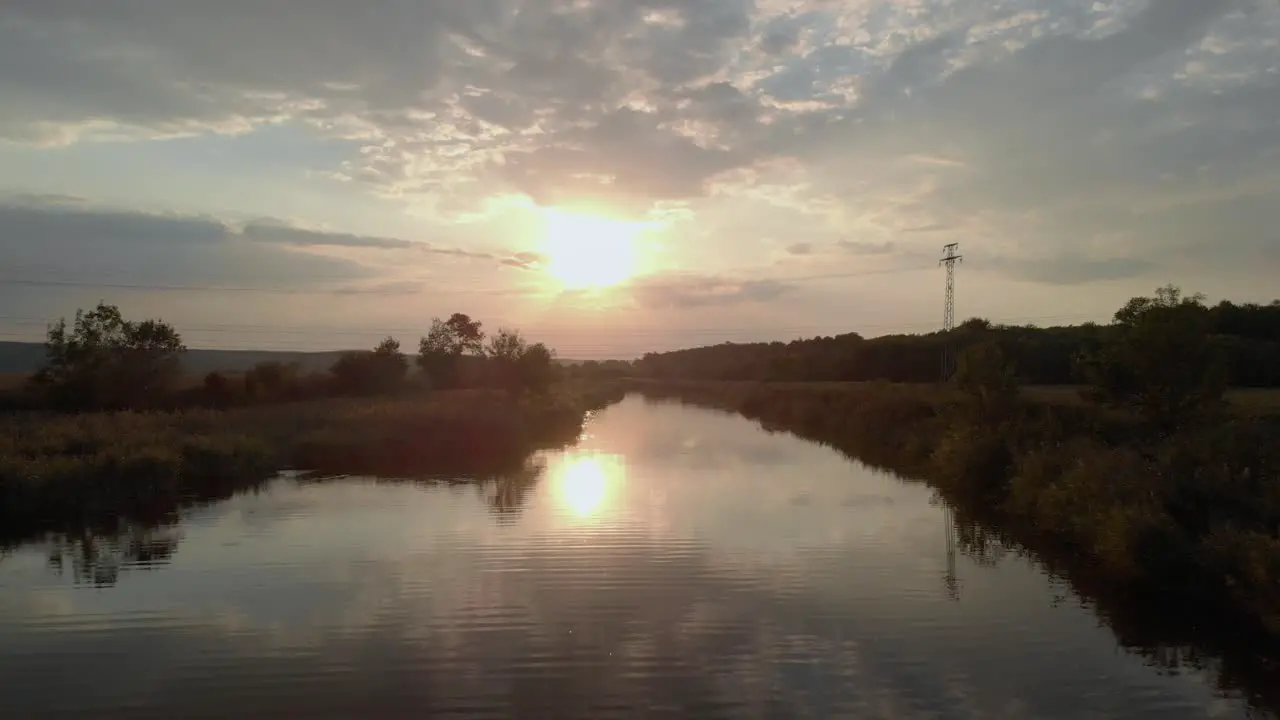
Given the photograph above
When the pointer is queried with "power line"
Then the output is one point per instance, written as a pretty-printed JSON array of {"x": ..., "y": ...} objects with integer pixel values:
[{"x": 862, "y": 273}]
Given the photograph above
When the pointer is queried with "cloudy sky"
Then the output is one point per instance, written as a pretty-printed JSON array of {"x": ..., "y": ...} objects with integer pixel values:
[{"x": 319, "y": 173}]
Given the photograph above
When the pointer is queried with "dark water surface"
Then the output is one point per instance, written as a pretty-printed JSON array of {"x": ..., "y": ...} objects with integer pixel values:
[{"x": 676, "y": 563}]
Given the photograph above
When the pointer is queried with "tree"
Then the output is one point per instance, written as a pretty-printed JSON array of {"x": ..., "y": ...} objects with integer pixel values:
[
  {"x": 975, "y": 325},
  {"x": 503, "y": 353},
  {"x": 517, "y": 366},
  {"x": 271, "y": 380},
  {"x": 986, "y": 376},
  {"x": 106, "y": 362},
  {"x": 537, "y": 369},
  {"x": 1159, "y": 361},
  {"x": 369, "y": 372},
  {"x": 440, "y": 352},
  {"x": 217, "y": 389}
]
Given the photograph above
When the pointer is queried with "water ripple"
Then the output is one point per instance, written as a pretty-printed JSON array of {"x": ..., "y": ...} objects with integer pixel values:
[{"x": 677, "y": 563}]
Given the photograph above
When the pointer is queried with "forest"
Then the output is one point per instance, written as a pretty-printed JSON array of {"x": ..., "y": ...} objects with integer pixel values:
[{"x": 1245, "y": 337}]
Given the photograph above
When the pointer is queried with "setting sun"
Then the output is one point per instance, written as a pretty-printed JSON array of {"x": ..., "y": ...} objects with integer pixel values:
[{"x": 589, "y": 251}]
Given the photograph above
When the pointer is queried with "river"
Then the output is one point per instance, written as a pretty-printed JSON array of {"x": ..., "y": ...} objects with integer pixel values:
[{"x": 676, "y": 562}]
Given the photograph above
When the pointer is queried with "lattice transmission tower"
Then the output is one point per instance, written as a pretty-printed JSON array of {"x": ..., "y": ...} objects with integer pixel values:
[{"x": 950, "y": 257}]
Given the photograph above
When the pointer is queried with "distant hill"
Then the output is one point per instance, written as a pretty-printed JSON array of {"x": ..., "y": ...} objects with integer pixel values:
[
  {"x": 20, "y": 357},
  {"x": 26, "y": 357}
]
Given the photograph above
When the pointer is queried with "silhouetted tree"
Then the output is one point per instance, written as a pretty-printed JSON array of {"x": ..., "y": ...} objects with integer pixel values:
[
  {"x": 440, "y": 353},
  {"x": 271, "y": 380},
  {"x": 217, "y": 389},
  {"x": 1247, "y": 337},
  {"x": 975, "y": 324},
  {"x": 538, "y": 369},
  {"x": 517, "y": 366},
  {"x": 381, "y": 370},
  {"x": 1159, "y": 361},
  {"x": 106, "y": 362}
]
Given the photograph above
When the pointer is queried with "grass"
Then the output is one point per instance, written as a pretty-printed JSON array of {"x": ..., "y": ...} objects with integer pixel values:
[
  {"x": 13, "y": 381},
  {"x": 1245, "y": 401},
  {"x": 65, "y": 471}
]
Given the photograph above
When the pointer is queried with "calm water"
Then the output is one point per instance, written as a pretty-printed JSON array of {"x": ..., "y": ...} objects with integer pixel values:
[{"x": 676, "y": 563}]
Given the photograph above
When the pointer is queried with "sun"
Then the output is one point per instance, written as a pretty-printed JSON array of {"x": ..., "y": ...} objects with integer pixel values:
[{"x": 589, "y": 251}]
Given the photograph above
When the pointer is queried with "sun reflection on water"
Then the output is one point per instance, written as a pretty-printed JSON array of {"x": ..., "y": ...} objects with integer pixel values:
[{"x": 586, "y": 483}]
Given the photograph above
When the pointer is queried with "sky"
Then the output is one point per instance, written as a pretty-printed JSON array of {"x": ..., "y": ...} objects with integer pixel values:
[{"x": 618, "y": 176}]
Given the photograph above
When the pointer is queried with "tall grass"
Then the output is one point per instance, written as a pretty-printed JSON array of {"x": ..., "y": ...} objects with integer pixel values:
[{"x": 64, "y": 471}]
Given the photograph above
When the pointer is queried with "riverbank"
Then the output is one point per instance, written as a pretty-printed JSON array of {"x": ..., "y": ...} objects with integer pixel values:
[
  {"x": 64, "y": 471},
  {"x": 1194, "y": 517}
]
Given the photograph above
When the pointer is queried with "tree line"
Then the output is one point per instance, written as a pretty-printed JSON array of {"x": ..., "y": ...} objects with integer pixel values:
[
  {"x": 1244, "y": 340},
  {"x": 103, "y": 361}
]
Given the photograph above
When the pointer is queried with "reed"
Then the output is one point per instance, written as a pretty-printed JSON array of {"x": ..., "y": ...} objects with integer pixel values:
[{"x": 64, "y": 471}]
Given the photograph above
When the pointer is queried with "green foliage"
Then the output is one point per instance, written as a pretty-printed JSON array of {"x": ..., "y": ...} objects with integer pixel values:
[
  {"x": 974, "y": 458},
  {"x": 106, "y": 362},
  {"x": 987, "y": 378},
  {"x": 440, "y": 353},
  {"x": 378, "y": 371},
  {"x": 1159, "y": 361}
]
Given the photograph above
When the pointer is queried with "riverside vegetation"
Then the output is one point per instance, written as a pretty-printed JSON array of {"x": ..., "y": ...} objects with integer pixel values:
[
  {"x": 1153, "y": 481},
  {"x": 106, "y": 432}
]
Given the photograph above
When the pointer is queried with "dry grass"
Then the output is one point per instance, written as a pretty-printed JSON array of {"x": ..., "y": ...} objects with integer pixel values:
[
  {"x": 13, "y": 381},
  {"x": 61, "y": 470},
  {"x": 1246, "y": 401}
]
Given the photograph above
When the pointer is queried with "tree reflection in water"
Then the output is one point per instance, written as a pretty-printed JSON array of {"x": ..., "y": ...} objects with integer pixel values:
[
  {"x": 1155, "y": 626},
  {"x": 508, "y": 494},
  {"x": 97, "y": 558},
  {"x": 1151, "y": 625}
]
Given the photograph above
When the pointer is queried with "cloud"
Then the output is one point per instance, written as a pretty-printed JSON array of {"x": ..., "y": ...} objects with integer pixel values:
[
  {"x": 1065, "y": 144},
  {"x": 271, "y": 231},
  {"x": 525, "y": 260},
  {"x": 1071, "y": 269},
  {"x": 386, "y": 289},
  {"x": 930, "y": 228},
  {"x": 122, "y": 247},
  {"x": 131, "y": 247},
  {"x": 1059, "y": 140},
  {"x": 855, "y": 247},
  {"x": 441, "y": 93},
  {"x": 694, "y": 291}
]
